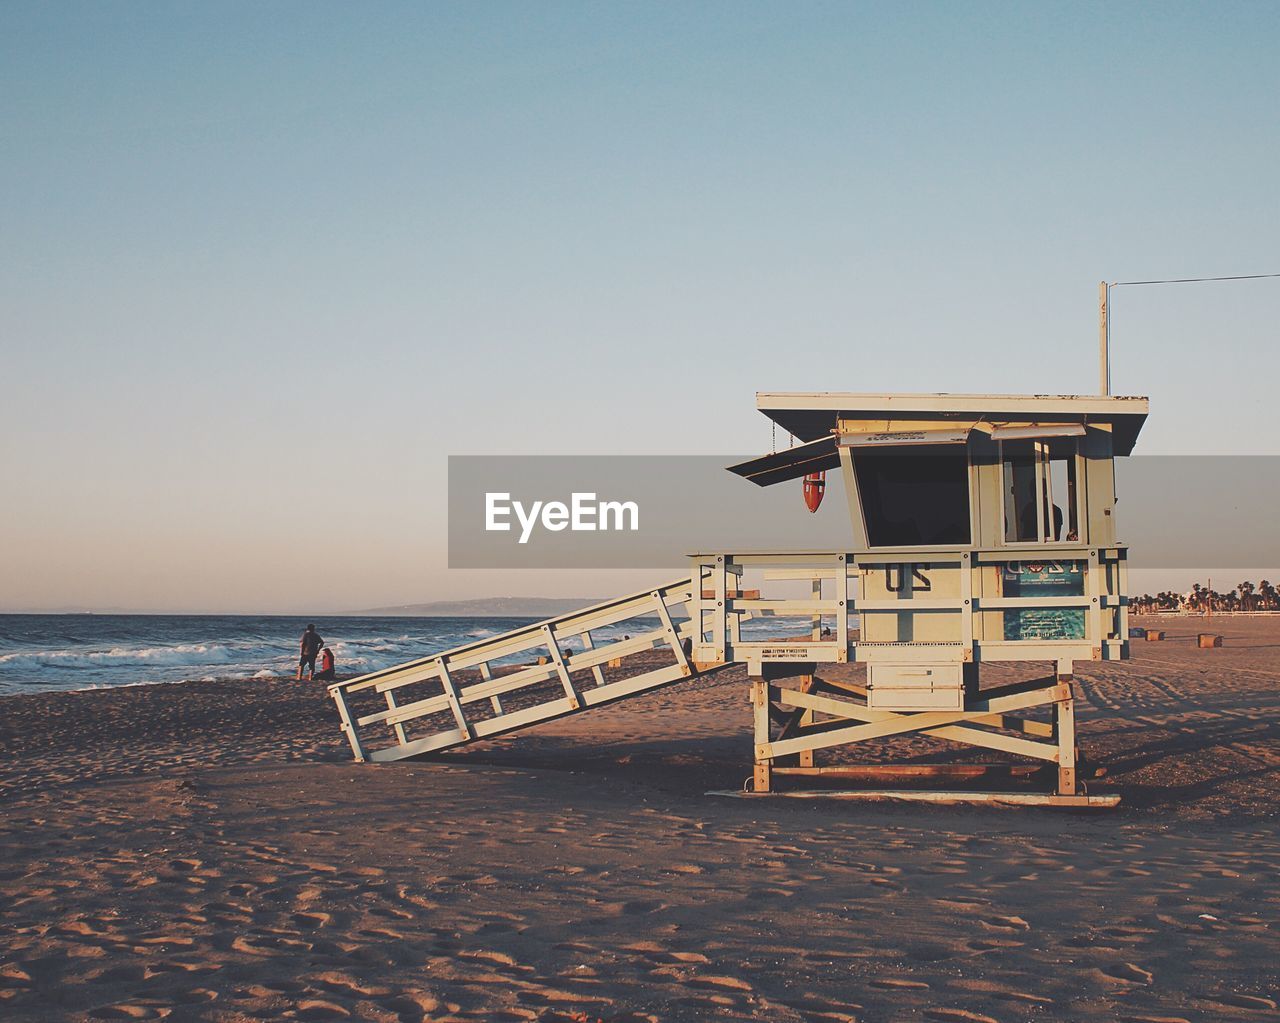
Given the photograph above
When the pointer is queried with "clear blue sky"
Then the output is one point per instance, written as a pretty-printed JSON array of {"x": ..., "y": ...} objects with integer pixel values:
[{"x": 265, "y": 266}]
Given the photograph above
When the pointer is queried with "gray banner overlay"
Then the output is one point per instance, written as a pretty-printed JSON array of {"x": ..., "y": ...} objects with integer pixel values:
[{"x": 1173, "y": 511}]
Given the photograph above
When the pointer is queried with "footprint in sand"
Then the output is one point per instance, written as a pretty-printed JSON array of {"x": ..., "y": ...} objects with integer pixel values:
[
  {"x": 577, "y": 946},
  {"x": 550, "y": 996},
  {"x": 1005, "y": 923},
  {"x": 1244, "y": 1001},
  {"x": 318, "y": 1009},
  {"x": 81, "y": 927},
  {"x": 497, "y": 927},
  {"x": 13, "y": 975},
  {"x": 118, "y": 974},
  {"x": 958, "y": 1016},
  {"x": 1154, "y": 1019},
  {"x": 816, "y": 1010},
  {"x": 125, "y": 1012},
  {"x": 379, "y": 932},
  {"x": 169, "y": 966},
  {"x": 963, "y": 905},
  {"x": 273, "y": 988},
  {"x": 731, "y": 983},
  {"x": 1129, "y": 973},
  {"x": 169, "y": 939},
  {"x": 635, "y": 907},
  {"x": 414, "y": 1006},
  {"x": 1003, "y": 993},
  {"x": 195, "y": 996},
  {"x": 1130, "y": 934},
  {"x": 711, "y": 1005},
  {"x": 893, "y": 983},
  {"x": 391, "y": 913},
  {"x": 500, "y": 958}
]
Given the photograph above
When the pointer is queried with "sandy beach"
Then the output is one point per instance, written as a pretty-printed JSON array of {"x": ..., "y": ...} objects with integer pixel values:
[
  {"x": 568, "y": 362},
  {"x": 208, "y": 851}
]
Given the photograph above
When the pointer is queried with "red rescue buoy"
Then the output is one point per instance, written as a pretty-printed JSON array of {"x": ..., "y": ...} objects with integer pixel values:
[{"x": 814, "y": 486}]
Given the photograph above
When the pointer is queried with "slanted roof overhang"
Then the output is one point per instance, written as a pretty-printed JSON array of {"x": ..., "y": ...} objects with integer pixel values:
[{"x": 811, "y": 415}]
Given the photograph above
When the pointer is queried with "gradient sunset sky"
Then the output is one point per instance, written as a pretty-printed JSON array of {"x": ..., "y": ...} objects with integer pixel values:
[{"x": 265, "y": 266}]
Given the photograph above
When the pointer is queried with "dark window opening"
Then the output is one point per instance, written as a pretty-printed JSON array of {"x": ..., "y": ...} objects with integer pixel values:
[{"x": 914, "y": 497}]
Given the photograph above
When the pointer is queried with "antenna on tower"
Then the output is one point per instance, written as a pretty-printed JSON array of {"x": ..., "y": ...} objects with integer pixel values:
[
  {"x": 1104, "y": 340},
  {"x": 1104, "y": 325}
]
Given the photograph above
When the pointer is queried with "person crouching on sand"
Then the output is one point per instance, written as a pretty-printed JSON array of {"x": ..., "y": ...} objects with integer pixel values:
[
  {"x": 326, "y": 666},
  {"x": 311, "y": 644}
]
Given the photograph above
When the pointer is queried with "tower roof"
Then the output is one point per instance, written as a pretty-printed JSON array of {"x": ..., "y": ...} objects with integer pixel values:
[{"x": 813, "y": 415}]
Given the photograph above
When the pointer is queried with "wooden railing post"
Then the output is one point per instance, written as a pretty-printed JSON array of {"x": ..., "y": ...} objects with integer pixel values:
[
  {"x": 673, "y": 637},
  {"x": 843, "y": 564},
  {"x": 718, "y": 572},
  {"x": 348, "y": 725},
  {"x": 398, "y": 728},
  {"x": 562, "y": 669},
  {"x": 455, "y": 705}
]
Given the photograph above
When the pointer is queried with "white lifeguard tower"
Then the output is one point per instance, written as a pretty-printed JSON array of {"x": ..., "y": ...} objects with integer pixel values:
[{"x": 983, "y": 530}]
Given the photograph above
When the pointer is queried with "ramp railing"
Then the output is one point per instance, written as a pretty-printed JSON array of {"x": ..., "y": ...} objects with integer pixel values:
[
  {"x": 1057, "y": 603},
  {"x": 532, "y": 674}
]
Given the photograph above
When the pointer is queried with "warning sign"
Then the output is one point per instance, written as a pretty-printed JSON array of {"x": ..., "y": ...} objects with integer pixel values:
[{"x": 1044, "y": 579}]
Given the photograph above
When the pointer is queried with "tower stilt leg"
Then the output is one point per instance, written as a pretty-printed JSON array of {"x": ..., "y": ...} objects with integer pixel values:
[
  {"x": 760, "y": 693},
  {"x": 1065, "y": 716}
]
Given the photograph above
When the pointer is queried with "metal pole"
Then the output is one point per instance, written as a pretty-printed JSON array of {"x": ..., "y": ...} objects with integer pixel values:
[{"x": 1104, "y": 338}]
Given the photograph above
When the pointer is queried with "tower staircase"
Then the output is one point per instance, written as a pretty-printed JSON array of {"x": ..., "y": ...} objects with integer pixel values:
[{"x": 523, "y": 677}]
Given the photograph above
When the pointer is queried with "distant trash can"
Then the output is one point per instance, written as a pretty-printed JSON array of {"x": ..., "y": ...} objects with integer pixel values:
[
  {"x": 1154, "y": 635},
  {"x": 1209, "y": 639}
]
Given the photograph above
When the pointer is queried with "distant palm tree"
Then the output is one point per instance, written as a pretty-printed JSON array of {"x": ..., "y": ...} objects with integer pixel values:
[{"x": 1246, "y": 596}]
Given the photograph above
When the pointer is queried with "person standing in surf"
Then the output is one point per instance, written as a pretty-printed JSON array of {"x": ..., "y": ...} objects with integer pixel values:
[{"x": 311, "y": 644}]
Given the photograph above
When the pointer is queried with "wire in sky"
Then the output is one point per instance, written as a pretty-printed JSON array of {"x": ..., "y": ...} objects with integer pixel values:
[{"x": 1192, "y": 280}]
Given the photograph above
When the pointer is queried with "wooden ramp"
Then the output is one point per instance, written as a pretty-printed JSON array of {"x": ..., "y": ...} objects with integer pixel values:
[{"x": 521, "y": 678}]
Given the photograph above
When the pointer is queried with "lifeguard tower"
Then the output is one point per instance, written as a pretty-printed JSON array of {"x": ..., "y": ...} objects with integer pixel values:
[{"x": 983, "y": 530}]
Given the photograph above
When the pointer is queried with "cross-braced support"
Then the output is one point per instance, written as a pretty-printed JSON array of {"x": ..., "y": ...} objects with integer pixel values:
[{"x": 792, "y": 722}]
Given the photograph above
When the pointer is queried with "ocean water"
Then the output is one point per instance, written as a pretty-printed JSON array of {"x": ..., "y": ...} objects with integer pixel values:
[
  {"x": 42, "y": 653},
  {"x": 82, "y": 651}
]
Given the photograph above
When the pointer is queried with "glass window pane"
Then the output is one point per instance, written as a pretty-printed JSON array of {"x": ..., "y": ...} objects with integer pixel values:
[{"x": 1053, "y": 464}]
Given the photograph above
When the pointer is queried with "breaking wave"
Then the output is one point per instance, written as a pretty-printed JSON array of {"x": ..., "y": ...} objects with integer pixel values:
[{"x": 64, "y": 652}]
